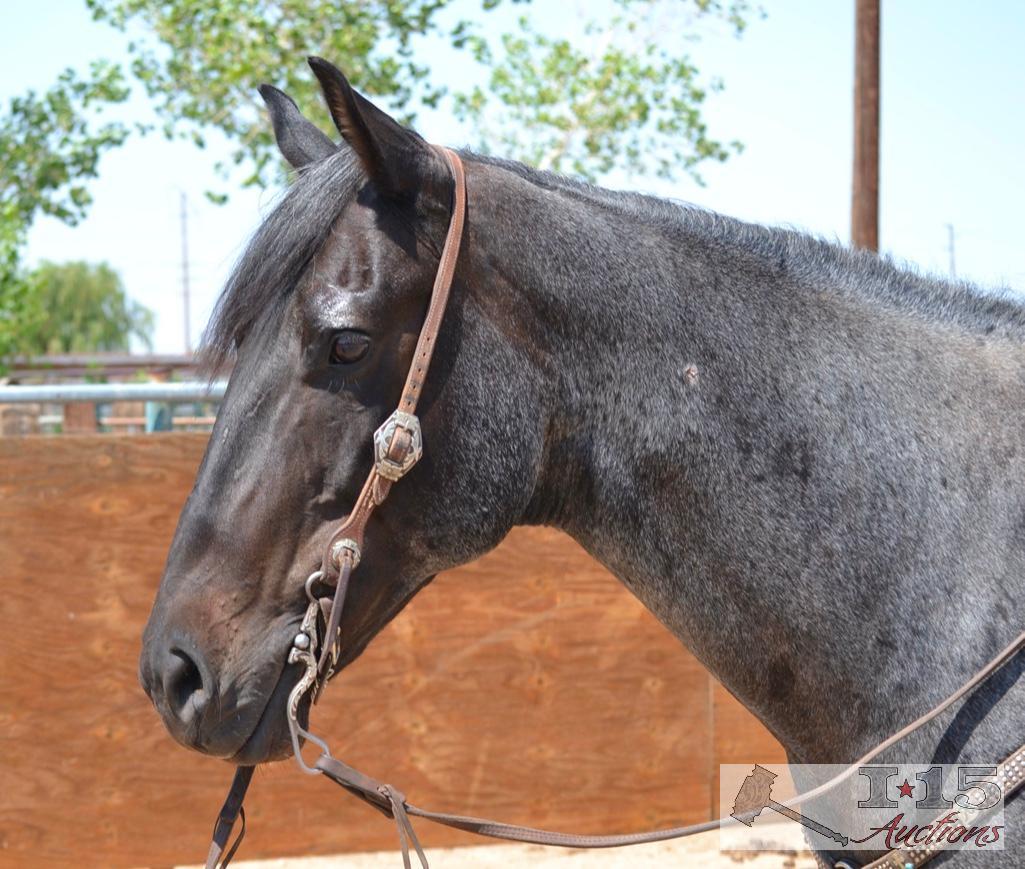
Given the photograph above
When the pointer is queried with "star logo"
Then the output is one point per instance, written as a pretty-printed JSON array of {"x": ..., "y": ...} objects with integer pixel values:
[{"x": 906, "y": 789}]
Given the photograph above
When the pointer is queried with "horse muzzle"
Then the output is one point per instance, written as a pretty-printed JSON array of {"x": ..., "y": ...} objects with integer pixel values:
[{"x": 235, "y": 716}]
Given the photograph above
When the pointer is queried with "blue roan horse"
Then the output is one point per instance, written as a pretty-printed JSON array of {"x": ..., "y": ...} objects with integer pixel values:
[{"x": 806, "y": 461}]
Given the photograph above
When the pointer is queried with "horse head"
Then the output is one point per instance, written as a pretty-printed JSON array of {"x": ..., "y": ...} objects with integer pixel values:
[{"x": 321, "y": 317}]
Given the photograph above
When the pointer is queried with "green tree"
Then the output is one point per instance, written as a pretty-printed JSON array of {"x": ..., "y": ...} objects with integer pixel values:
[
  {"x": 619, "y": 95},
  {"x": 50, "y": 145},
  {"x": 615, "y": 96},
  {"x": 19, "y": 304},
  {"x": 84, "y": 309}
]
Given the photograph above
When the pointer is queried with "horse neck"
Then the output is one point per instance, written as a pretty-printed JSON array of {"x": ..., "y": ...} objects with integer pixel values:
[{"x": 712, "y": 422}]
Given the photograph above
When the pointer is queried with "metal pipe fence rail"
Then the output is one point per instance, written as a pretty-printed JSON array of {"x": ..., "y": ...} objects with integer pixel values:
[
  {"x": 62, "y": 367},
  {"x": 29, "y": 409},
  {"x": 96, "y": 393}
]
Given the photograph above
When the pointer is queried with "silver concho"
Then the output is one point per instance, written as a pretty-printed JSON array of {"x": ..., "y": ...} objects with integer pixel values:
[
  {"x": 346, "y": 544},
  {"x": 387, "y": 467}
]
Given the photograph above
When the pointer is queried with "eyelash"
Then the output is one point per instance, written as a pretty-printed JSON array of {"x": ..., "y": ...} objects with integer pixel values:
[{"x": 350, "y": 340}]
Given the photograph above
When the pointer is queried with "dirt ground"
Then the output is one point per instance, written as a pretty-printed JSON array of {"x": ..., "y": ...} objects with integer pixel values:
[{"x": 699, "y": 851}]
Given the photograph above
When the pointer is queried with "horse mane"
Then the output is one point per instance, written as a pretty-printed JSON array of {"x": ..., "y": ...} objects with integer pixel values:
[
  {"x": 282, "y": 248},
  {"x": 810, "y": 259}
]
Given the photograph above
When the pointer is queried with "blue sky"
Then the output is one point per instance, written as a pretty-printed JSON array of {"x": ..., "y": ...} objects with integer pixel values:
[{"x": 953, "y": 142}]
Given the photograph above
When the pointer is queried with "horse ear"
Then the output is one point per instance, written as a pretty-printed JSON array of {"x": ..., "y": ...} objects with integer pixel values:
[
  {"x": 299, "y": 141},
  {"x": 391, "y": 155}
]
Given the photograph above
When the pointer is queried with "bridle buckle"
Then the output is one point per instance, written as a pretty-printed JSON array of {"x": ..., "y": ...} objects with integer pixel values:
[{"x": 389, "y": 467}]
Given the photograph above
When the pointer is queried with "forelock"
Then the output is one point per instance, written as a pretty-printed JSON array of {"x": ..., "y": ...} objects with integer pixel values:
[{"x": 278, "y": 255}]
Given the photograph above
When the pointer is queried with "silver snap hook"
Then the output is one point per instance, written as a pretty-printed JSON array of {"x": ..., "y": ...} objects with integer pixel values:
[{"x": 311, "y": 580}]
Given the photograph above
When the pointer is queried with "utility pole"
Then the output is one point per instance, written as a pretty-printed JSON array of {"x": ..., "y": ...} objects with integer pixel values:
[
  {"x": 865, "y": 186},
  {"x": 185, "y": 270},
  {"x": 950, "y": 249}
]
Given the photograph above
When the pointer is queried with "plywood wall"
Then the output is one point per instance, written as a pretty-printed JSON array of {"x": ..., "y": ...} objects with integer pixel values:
[{"x": 527, "y": 686}]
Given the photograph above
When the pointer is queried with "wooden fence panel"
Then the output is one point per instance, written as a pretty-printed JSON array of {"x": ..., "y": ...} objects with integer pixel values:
[{"x": 526, "y": 686}]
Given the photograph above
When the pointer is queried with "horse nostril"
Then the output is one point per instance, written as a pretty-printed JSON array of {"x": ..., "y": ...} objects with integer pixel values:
[{"x": 183, "y": 686}]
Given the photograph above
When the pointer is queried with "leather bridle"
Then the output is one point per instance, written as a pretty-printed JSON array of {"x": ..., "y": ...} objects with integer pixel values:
[{"x": 398, "y": 445}]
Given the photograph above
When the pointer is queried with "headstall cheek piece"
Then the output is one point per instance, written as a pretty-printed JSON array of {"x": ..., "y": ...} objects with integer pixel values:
[{"x": 398, "y": 445}]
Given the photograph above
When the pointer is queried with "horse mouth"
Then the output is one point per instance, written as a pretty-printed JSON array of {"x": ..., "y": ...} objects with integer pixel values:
[{"x": 270, "y": 739}]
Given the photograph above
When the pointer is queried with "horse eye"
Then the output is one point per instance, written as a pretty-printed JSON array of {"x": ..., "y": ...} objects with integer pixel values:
[{"x": 348, "y": 347}]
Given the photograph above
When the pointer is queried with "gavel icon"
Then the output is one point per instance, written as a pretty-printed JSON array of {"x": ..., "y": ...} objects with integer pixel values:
[{"x": 755, "y": 795}]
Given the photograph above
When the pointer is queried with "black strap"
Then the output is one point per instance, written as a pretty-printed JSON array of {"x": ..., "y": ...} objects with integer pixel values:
[{"x": 230, "y": 811}]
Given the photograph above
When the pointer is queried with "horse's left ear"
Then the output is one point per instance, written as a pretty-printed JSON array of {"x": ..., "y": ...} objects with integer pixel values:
[
  {"x": 299, "y": 141},
  {"x": 393, "y": 156}
]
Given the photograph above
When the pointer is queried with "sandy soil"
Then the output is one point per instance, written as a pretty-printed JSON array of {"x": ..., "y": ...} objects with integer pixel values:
[{"x": 699, "y": 851}]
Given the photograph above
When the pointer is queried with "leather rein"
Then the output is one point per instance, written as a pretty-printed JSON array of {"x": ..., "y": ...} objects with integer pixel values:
[{"x": 398, "y": 445}]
